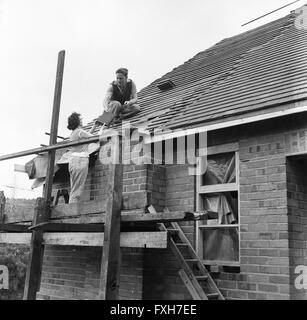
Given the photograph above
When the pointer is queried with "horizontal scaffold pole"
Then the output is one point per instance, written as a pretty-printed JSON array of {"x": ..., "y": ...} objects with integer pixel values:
[{"x": 56, "y": 146}]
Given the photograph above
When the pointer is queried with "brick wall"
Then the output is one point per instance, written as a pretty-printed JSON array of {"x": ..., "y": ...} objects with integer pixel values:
[
  {"x": 270, "y": 242},
  {"x": 272, "y": 202},
  {"x": 264, "y": 250},
  {"x": 264, "y": 268},
  {"x": 161, "y": 279},
  {"x": 297, "y": 208},
  {"x": 156, "y": 185},
  {"x": 95, "y": 185},
  {"x": 72, "y": 273},
  {"x": 264, "y": 271},
  {"x": 180, "y": 194},
  {"x": 143, "y": 183}
]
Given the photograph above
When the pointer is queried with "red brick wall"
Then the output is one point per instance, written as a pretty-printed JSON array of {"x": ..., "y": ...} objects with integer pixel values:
[{"x": 71, "y": 273}]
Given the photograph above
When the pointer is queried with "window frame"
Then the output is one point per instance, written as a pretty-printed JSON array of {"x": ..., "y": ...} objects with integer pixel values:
[{"x": 218, "y": 188}]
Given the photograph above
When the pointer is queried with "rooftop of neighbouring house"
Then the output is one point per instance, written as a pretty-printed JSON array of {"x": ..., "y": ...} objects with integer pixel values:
[{"x": 254, "y": 72}]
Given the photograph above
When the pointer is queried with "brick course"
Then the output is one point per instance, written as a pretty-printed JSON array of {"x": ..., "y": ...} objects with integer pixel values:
[
  {"x": 272, "y": 216},
  {"x": 73, "y": 273}
]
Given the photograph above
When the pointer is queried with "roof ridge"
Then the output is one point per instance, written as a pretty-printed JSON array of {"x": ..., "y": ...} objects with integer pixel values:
[
  {"x": 213, "y": 47},
  {"x": 216, "y": 46},
  {"x": 207, "y": 71},
  {"x": 290, "y": 15},
  {"x": 223, "y": 77}
]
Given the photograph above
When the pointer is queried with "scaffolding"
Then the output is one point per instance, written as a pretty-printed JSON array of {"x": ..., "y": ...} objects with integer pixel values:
[{"x": 65, "y": 224}]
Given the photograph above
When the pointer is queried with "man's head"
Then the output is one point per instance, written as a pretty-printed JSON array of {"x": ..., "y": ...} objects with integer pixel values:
[
  {"x": 121, "y": 76},
  {"x": 74, "y": 121}
]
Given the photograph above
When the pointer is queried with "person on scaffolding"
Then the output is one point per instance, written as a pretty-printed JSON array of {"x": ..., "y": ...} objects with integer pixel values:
[{"x": 78, "y": 159}]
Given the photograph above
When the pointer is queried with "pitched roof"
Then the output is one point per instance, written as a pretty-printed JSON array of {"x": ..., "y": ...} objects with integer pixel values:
[{"x": 249, "y": 73}]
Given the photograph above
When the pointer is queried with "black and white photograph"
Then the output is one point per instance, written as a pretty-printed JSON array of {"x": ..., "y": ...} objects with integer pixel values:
[{"x": 153, "y": 151}]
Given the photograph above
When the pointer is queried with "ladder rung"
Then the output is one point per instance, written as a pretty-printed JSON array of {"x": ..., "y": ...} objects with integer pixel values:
[
  {"x": 173, "y": 231},
  {"x": 191, "y": 260},
  {"x": 187, "y": 274},
  {"x": 212, "y": 295}
]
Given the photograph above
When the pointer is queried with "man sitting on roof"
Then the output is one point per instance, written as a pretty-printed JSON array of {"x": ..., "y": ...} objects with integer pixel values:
[{"x": 121, "y": 98}]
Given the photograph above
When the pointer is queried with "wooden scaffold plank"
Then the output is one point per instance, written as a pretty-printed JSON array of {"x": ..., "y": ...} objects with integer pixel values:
[{"x": 154, "y": 240}]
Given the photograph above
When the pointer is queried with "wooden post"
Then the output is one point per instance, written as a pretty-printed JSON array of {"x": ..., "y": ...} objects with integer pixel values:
[
  {"x": 2, "y": 206},
  {"x": 33, "y": 275},
  {"x": 42, "y": 211},
  {"x": 110, "y": 265},
  {"x": 54, "y": 127}
]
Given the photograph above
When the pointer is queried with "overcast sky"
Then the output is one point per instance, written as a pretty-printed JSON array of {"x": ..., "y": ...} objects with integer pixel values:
[{"x": 149, "y": 37}]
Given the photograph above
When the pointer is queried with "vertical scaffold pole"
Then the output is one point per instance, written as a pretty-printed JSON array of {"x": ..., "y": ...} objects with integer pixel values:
[
  {"x": 42, "y": 210},
  {"x": 111, "y": 255}
]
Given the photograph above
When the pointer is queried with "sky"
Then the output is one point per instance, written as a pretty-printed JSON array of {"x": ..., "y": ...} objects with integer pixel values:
[{"x": 149, "y": 37}]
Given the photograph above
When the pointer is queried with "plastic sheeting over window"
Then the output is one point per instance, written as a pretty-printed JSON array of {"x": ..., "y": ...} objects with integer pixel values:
[
  {"x": 225, "y": 204},
  {"x": 220, "y": 169},
  {"x": 221, "y": 243}
]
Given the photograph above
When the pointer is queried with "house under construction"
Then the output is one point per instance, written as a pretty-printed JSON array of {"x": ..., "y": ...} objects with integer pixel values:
[{"x": 208, "y": 198}]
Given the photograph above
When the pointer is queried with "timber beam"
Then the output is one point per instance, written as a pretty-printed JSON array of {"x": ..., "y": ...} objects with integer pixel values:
[
  {"x": 95, "y": 211},
  {"x": 14, "y": 228},
  {"x": 155, "y": 239},
  {"x": 89, "y": 227},
  {"x": 34, "y": 270},
  {"x": 111, "y": 254}
]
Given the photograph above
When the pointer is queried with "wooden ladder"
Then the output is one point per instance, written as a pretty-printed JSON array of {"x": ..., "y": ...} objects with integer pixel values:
[{"x": 193, "y": 273}]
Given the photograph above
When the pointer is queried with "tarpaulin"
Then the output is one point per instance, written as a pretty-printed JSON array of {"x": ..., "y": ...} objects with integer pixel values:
[
  {"x": 37, "y": 167},
  {"x": 220, "y": 170},
  {"x": 221, "y": 243}
]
